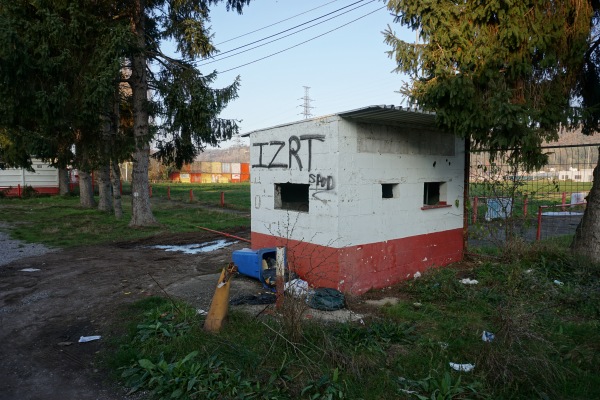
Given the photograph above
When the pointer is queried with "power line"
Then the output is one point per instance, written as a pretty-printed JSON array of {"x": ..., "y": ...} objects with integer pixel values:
[
  {"x": 275, "y": 23},
  {"x": 301, "y": 43},
  {"x": 294, "y": 27},
  {"x": 283, "y": 37}
]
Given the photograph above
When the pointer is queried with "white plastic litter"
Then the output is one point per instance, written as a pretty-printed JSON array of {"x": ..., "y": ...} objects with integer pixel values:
[
  {"x": 84, "y": 339},
  {"x": 407, "y": 391},
  {"x": 30, "y": 270},
  {"x": 488, "y": 336},
  {"x": 201, "y": 312},
  {"x": 462, "y": 367},
  {"x": 557, "y": 282},
  {"x": 469, "y": 281},
  {"x": 417, "y": 275},
  {"x": 296, "y": 287}
]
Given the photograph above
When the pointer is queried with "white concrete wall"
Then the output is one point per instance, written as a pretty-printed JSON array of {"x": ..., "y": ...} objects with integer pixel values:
[
  {"x": 357, "y": 158},
  {"x": 44, "y": 176},
  {"x": 373, "y": 155},
  {"x": 319, "y": 170}
]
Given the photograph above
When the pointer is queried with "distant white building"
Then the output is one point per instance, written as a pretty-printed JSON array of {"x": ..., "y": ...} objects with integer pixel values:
[
  {"x": 360, "y": 199},
  {"x": 43, "y": 180},
  {"x": 573, "y": 174}
]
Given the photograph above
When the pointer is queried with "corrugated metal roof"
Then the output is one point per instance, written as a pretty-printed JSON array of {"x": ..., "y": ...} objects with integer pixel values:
[
  {"x": 382, "y": 114},
  {"x": 387, "y": 114}
]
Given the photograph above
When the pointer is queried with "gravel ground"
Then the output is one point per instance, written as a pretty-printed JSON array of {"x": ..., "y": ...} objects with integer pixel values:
[{"x": 12, "y": 250}]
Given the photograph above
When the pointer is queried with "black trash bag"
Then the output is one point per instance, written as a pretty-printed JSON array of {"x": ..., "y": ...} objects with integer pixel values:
[
  {"x": 254, "y": 299},
  {"x": 326, "y": 299}
]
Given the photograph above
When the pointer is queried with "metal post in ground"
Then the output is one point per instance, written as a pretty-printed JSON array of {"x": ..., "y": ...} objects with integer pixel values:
[
  {"x": 538, "y": 234},
  {"x": 564, "y": 201},
  {"x": 525, "y": 203},
  {"x": 222, "y": 199},
  {"x": 191, "y": 195},
  {"x": 279, "y": 271},
  {"x": 475, "y": 205}
]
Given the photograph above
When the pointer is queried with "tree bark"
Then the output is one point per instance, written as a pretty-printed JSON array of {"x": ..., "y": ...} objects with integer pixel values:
[
  {"x": 104, "y": 188},
  {"x": 115, "y": 179},
  {"x": 63, "y": 181},
  {"x": 141, "y": 213},
  {"x": 115, "y": 171},
  {"x": 86, "y": 194},
  {"x": 586, "y": 241}
]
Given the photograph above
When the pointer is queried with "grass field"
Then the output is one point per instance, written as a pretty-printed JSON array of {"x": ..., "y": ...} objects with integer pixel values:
[
  {"x": 60, "y": 221},
  {"x": 542, "y": 304},
  {"x": 546, "y": 341}
]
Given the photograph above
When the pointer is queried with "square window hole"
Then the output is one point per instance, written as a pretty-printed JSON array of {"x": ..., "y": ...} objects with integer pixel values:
[
  {"x": 389, "y": 190},
  {"x": 434, "y": 193},
  {"x": 291, "y": 196}
]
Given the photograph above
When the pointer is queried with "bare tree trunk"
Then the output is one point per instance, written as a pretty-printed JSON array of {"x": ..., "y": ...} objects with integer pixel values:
[
  {"x": 63, "y": 181},
  {"x": 586, "y": 241},
  {"x": 104, "y": 188},
  {"x": 115, "y": 179},
  {"x": 115, "y": 171},
  {"x": 86, "y": 194},
  {"x": 141, "y": 213}
]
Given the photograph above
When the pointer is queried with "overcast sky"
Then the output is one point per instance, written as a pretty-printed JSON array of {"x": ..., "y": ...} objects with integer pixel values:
[{"x": 346, "y": 69}]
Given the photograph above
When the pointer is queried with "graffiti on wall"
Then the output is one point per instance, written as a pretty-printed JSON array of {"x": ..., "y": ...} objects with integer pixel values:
[
  {"x": 293, "y": 153},
  {"x": 320, "y": 184}
]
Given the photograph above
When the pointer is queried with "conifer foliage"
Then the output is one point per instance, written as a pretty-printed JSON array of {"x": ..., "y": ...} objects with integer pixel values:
[
  {"x": 500, "y": 71},
  {"x": 507, "y": 74},
  {"x": 66, "y": 65}
]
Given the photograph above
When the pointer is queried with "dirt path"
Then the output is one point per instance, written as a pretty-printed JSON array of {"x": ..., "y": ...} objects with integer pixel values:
[{"x": 75, "y": 293}]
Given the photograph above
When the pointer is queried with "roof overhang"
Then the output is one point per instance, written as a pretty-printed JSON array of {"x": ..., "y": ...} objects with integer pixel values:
[
  {"x": 390, "y": 115},
  {"x": 382, "y": 114}
]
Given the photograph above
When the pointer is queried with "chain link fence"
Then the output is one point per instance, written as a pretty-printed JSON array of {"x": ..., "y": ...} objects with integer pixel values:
[{"x": 506, "y": 201}]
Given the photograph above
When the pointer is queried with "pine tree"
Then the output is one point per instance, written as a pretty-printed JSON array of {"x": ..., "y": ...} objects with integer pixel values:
[
  {"x": 508, "y": 75},
  {"x": 178, "y": 94}
]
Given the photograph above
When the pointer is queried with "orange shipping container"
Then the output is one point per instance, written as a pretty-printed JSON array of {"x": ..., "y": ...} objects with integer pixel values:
[{"x": 196, "y": 178}]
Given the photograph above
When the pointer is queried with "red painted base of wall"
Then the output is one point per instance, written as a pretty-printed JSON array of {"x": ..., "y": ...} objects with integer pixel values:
[
  {"x": 14, "y": 191},
  {"x": 357, "y": 269}
]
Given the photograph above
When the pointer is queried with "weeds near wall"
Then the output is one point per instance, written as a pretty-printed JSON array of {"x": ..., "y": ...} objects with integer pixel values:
[
  {"x": 295, "y": 306},
  {"x": 543, "y": 309}
]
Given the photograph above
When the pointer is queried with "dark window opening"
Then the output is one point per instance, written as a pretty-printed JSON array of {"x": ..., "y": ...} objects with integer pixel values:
[
  {"x": 291, "y": 196},
  {"x": 434, "y": 193},
  {"x": 389, "y": 190}
]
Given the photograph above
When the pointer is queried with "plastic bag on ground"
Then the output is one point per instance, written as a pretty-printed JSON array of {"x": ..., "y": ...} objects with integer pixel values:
[
  {"x": 462, "y": 367},
  {"x": 326, "y": 299},
  {"x": 297, "y": 287}
]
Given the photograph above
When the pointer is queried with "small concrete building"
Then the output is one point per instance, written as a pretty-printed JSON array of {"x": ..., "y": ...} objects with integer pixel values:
[{"x": 360, "y": 199}]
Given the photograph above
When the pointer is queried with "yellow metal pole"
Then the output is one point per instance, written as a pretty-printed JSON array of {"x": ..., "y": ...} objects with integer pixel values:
[{"x": 220, "y": 302}]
